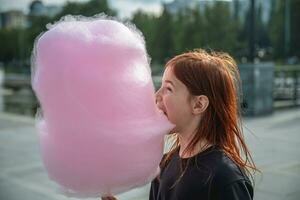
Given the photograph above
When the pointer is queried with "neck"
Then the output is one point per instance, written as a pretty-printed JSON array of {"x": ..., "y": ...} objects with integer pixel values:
[
  {"x": 186, "y": 134},
  {"x": 184, "y": 140}
]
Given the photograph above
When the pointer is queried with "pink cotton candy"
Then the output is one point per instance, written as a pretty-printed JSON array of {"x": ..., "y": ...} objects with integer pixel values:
[{"x": 100, "y": 130}]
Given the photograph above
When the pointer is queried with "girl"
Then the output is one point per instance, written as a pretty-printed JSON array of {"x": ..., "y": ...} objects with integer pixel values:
[{"x": 209, "y": 158}]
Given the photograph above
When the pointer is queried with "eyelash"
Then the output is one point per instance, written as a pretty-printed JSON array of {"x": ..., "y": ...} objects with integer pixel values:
[{"x": 169, "y": 89}]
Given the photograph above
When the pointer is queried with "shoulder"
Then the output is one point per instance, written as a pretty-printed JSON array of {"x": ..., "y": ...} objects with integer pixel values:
[
  {"x": 227, "y": 172},
  {"x": 229, "y": 180},
  {"x": 240, "y": 189}
]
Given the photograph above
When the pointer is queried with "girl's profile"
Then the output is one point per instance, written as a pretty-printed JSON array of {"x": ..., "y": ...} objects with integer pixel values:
[{"x": 209, "y": 158}]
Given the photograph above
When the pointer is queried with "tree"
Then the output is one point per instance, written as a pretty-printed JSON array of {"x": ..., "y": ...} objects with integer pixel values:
[
  {"x": 146, "y": 23},
  {"x": 90, "y": 8},
  {"x": 276, "y": 29},
  {"x": 17, "y": 44},
  {"x": 262, "y": 37},
  {"x": 295, "y": 28},
  {"x": 189, "y": 28},
  {"x": 8, "y": 41},
  {"x": 163, "y": 38},
  {"x": 221, "y": 30}
]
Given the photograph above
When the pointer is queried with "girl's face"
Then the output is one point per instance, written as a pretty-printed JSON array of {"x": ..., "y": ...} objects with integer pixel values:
[{"x": 173, "y": 98}]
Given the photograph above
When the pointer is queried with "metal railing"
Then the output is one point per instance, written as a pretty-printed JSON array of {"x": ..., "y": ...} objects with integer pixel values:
[
  {"x": 17, "y": 95},
  {"x": 20, "y": 98},
  {"x": 286, "y": 89}
]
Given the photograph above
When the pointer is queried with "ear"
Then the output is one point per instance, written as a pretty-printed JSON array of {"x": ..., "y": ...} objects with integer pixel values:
[{"x": 200, "y": 104}]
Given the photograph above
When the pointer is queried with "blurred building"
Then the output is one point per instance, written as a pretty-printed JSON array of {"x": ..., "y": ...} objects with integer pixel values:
[
  {"x": 17, "y": 19},
  {"x": 13, "y": 19},
  {"x": 238, "y": 8},
  {"x": 37, "y": 8}
]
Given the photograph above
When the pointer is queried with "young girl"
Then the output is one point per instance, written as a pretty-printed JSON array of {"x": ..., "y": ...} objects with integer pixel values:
[{"x": 209, "y": 158}]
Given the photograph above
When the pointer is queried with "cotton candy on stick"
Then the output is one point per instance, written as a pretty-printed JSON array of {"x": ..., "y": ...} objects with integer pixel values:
[{"x": 100, "y": 132}]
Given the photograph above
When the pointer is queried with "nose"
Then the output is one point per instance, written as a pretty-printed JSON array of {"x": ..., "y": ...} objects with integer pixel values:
[{"x": 158, "y": 97}]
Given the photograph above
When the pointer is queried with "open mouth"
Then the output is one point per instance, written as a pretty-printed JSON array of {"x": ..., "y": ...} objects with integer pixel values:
[
  {"x": 165, "y": 113},
  {"x": 162, "y": 111}
]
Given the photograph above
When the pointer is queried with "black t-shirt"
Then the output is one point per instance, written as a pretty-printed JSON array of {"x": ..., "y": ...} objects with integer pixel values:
[{"x": 210, "y": 174}]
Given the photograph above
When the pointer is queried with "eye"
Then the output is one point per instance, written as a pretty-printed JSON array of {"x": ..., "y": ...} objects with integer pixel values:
[{"x": 169, "y": 89}]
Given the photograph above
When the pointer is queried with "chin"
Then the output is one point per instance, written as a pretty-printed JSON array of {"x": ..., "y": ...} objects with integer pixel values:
[{"x": 174, "y": 130}]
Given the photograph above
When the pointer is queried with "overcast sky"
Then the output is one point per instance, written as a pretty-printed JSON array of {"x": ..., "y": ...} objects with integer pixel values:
[{"x": 124, "y": 7}]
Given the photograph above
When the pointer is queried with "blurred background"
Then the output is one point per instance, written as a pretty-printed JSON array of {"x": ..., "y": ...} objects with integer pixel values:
[{"x": 262, "y": 35}]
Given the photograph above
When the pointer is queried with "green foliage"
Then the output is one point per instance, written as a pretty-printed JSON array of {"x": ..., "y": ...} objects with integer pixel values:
[
  {"x": 146, "y": 23},
  {"x": 214, "y": 27},
  {"x": 164, "y": 44},
  {"x": 86, "y": 9},
  {"x": 189, "y": 29},
  {"x": 262, "y": 38},
  {"x": 278, "y": 33},
  {"x": 295, "y": 28},
  {"x": 276, "y": 29},
  {"x": 38, "y": 26},
  {"x": 9, "y": 42},
  {"x": 221, "y": 28},
  {"x": 17, "y": 44}
]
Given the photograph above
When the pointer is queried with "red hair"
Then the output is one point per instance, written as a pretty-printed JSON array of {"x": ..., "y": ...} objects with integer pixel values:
[{"x": 216, "y": 76}]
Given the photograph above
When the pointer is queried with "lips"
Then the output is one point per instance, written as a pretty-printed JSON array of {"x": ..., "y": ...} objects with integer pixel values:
[
  {"x": 163, "y": 111},
  {"x": 161, "y": 108}
]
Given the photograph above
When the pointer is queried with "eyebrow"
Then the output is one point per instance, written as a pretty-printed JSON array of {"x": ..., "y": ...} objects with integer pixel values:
[{"x": 168, "y": 81}]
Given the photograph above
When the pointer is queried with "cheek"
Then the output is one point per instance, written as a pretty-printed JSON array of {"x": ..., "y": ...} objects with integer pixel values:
[
  {"x": 176, "y": 107},
  {"x": 168, "y": 108},
  {"x": 168, "y": 103},
  {"x": 171, "y": 108}
]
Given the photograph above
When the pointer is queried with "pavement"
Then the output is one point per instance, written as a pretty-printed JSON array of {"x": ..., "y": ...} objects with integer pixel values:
[{"x": 274, "y": 141}]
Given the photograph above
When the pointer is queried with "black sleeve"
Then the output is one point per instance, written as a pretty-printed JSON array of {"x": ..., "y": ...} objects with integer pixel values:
[
  {"x": 154, "y": 189},
  {"x": 155, "y": 184},
  {"x": 238, "y": 190}
]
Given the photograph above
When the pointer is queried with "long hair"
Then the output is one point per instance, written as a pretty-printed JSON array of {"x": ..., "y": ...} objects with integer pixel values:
[{"x": 215, "y": 75}]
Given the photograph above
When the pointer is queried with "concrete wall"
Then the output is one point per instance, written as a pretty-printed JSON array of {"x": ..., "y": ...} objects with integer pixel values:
[{"x": 257, "y": 85}]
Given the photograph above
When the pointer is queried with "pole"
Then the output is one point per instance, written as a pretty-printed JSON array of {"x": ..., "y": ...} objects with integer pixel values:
[
  {"x": 252, "y": 31},
  {"x": 287, "y": 29}
]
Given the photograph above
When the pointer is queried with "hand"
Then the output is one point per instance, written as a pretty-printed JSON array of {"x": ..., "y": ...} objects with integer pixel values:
[{"x": 108, "y": 198}]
